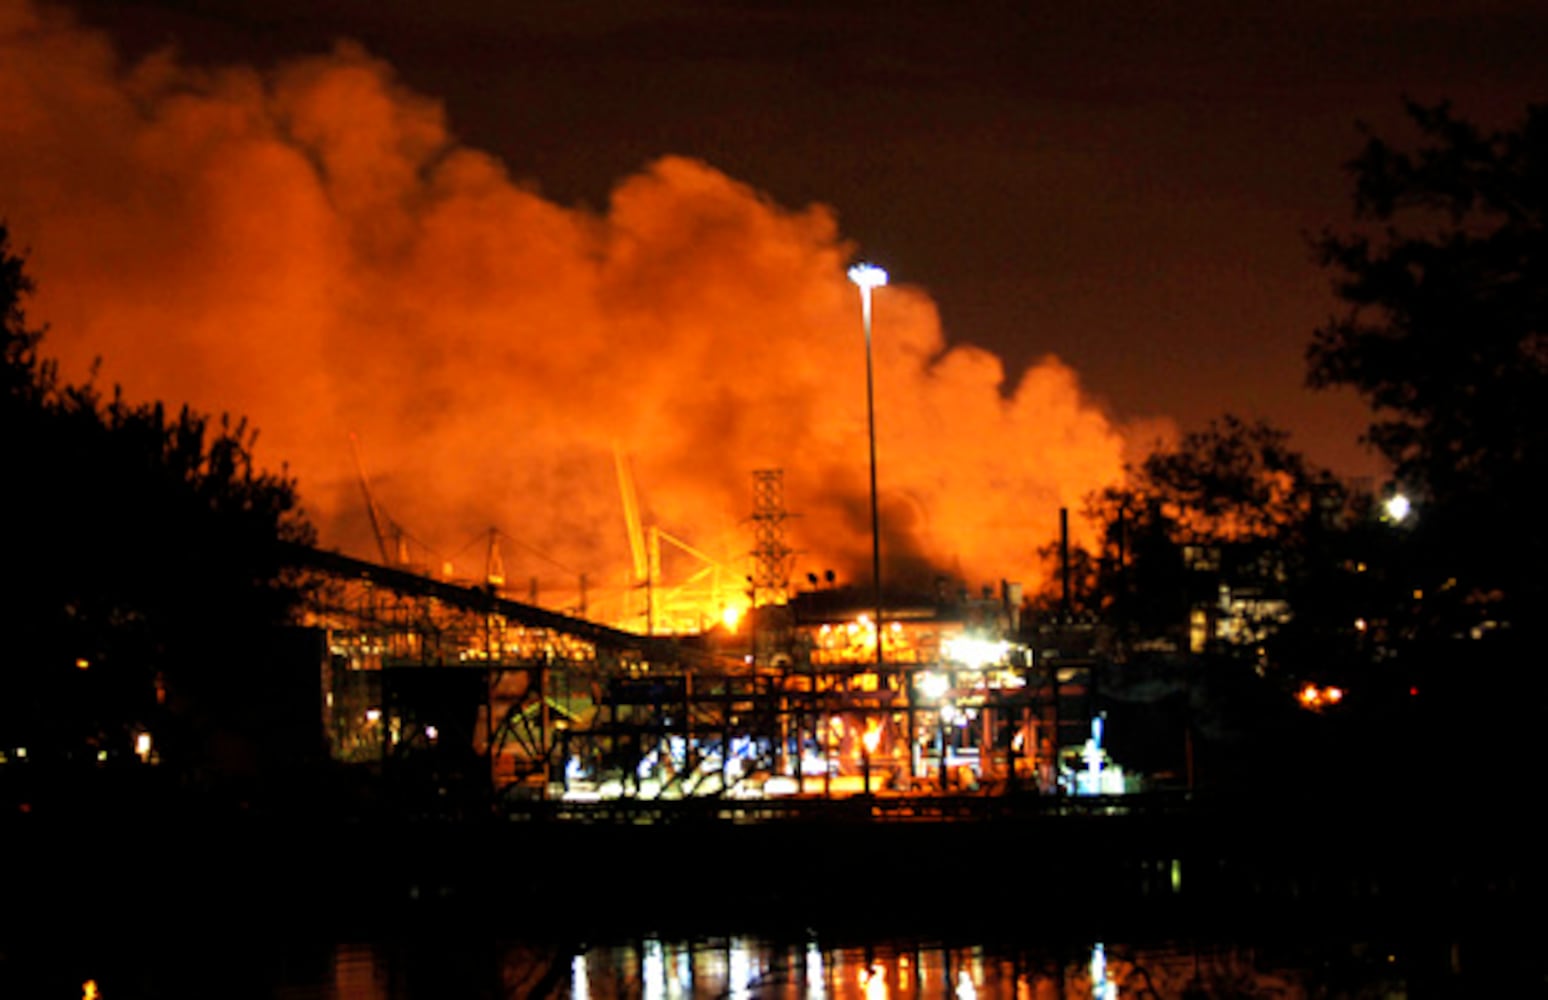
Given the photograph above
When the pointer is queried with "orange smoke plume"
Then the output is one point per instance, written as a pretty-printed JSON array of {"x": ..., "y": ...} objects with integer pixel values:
[{"x": 310, "y": 248}]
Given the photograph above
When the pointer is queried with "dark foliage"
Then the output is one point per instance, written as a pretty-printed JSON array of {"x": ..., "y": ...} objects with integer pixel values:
[
  {"x": 1233, "y": 573},
  {"x": 146, "y": 572},
  {"x": 1230, "y": 506},
  {"x": 1445, "y": 274},
  {"x": 1446, "y": 336}
]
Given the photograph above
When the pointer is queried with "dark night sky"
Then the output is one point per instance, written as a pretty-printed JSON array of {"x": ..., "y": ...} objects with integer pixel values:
[{"x": 1126, "y": 185}]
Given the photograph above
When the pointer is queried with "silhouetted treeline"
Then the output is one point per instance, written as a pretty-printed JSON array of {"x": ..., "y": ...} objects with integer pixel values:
[
  {"x": 1231, "y": 547},
  {"x": 145, "y": 584}
]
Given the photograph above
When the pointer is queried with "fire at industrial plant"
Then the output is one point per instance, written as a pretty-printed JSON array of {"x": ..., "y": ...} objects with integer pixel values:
[{"x": 310, "y": 246}]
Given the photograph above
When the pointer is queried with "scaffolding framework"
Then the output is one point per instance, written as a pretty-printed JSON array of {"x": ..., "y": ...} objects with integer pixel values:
[
  {"x": 772, "y": 558},
  {"x": 471, "y": 702}
]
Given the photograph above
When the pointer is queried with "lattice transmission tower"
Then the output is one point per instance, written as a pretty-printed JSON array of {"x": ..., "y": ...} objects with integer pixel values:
[{"x": 772, "y": 558}]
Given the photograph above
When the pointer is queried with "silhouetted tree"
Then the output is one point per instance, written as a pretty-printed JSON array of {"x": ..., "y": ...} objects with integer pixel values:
[
  {"x": 23, "y": 379},
  {"x": 1445, "y": 273},
  {"x": 146, "y": 561},
  {"x": 1446, "y": 336},
  {"x": 1231, "y": 510},
  {"x": 1233, "y": 571}
]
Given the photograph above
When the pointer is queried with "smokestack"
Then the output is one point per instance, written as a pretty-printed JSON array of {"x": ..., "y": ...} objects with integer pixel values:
[{"x": 1064, "y": 560}]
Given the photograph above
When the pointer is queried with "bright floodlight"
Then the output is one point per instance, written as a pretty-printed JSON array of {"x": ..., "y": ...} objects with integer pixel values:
[
  {"x": 1398, "y": 507},
  {"x": 933, "y": 685},
  {"x": 868, "y": 276}
]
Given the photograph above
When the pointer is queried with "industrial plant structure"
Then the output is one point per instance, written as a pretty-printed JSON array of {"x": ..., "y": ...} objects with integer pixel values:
[{"x": 465, "y": 699}]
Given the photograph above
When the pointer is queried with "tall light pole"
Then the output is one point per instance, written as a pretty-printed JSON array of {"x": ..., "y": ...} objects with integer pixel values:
[{"x": 868, "y": 277}]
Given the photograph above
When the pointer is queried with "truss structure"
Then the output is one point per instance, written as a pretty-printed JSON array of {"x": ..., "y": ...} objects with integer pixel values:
[{"x": 466, "y": 701}]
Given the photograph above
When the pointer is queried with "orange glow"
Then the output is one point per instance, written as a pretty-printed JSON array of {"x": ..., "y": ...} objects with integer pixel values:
[
  {"x": 1317, "y": 698},
  {"x": 731, "y": 617},
  {"x": 89, "y": 990},
  {"x": 873, "y": 982},
  {"x": 873, "y": 734},
  {"x": 855, "y": 642},
  {"x": 309, "y": 246},
  {"x": 1279, "y": 505}
]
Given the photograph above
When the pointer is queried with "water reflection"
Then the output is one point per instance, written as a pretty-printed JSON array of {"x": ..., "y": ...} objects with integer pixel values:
[
  {"x": 815, "y": 976},
  {"x": 748, "y": 967},
  {"x": 450, "y": 966},
  {"x": 873, "y": 982},
  {"x": 1102, "y": 985},
  {"x": 355, "y": 972}
]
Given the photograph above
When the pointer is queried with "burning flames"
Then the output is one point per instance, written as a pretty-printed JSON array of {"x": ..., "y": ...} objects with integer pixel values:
[{"x": 311, "y": 248}]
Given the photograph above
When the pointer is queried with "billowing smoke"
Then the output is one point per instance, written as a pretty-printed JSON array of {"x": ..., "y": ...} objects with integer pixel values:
[{"x": 310, "y": 248}]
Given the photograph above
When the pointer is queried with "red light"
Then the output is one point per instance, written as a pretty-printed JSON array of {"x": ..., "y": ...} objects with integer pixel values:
[{"x": 1413, "y": 692}]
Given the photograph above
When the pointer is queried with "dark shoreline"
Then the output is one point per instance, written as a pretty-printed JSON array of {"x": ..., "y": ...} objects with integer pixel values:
[{"x": 1218, "y": 866}]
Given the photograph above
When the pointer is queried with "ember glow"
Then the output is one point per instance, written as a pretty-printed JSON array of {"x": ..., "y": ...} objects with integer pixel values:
[
  {"x": 309, "y": 246},
  {"x": 1317, "y": 698}
]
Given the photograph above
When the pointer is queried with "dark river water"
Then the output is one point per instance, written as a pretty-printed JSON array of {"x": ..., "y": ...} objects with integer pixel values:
[
  {"x": 834, "y": 911},
  {"x": 425, "y": 964},
  {"x": 747, "y": 967}
]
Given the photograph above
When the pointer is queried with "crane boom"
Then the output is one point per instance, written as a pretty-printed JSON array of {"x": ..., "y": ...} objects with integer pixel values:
[
  {"x": 631, "y": 506},
  {"x": 370, "y": 502}
]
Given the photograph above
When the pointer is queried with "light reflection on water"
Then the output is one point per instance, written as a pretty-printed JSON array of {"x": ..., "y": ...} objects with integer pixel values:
[
  {"x": 745, "y": 967},
  {"x": 452, "y": 967}
]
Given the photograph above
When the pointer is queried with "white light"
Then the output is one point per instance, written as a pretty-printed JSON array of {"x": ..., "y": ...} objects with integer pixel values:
[
  {"x": 1398, "y": 507},
  {"x": 868, "y": 275},
  {"x": 742, "y": 970},
  {"x": 933, "y": 685},
  {"x": 654, "y": 970},
  {"x": 873, "y": 981},
  {"x": 975, "y": 653},
  {"x": 1102, "y": 988},
  {"x": 781, "y": 785},
  {"x": 814, "y": 970}
]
